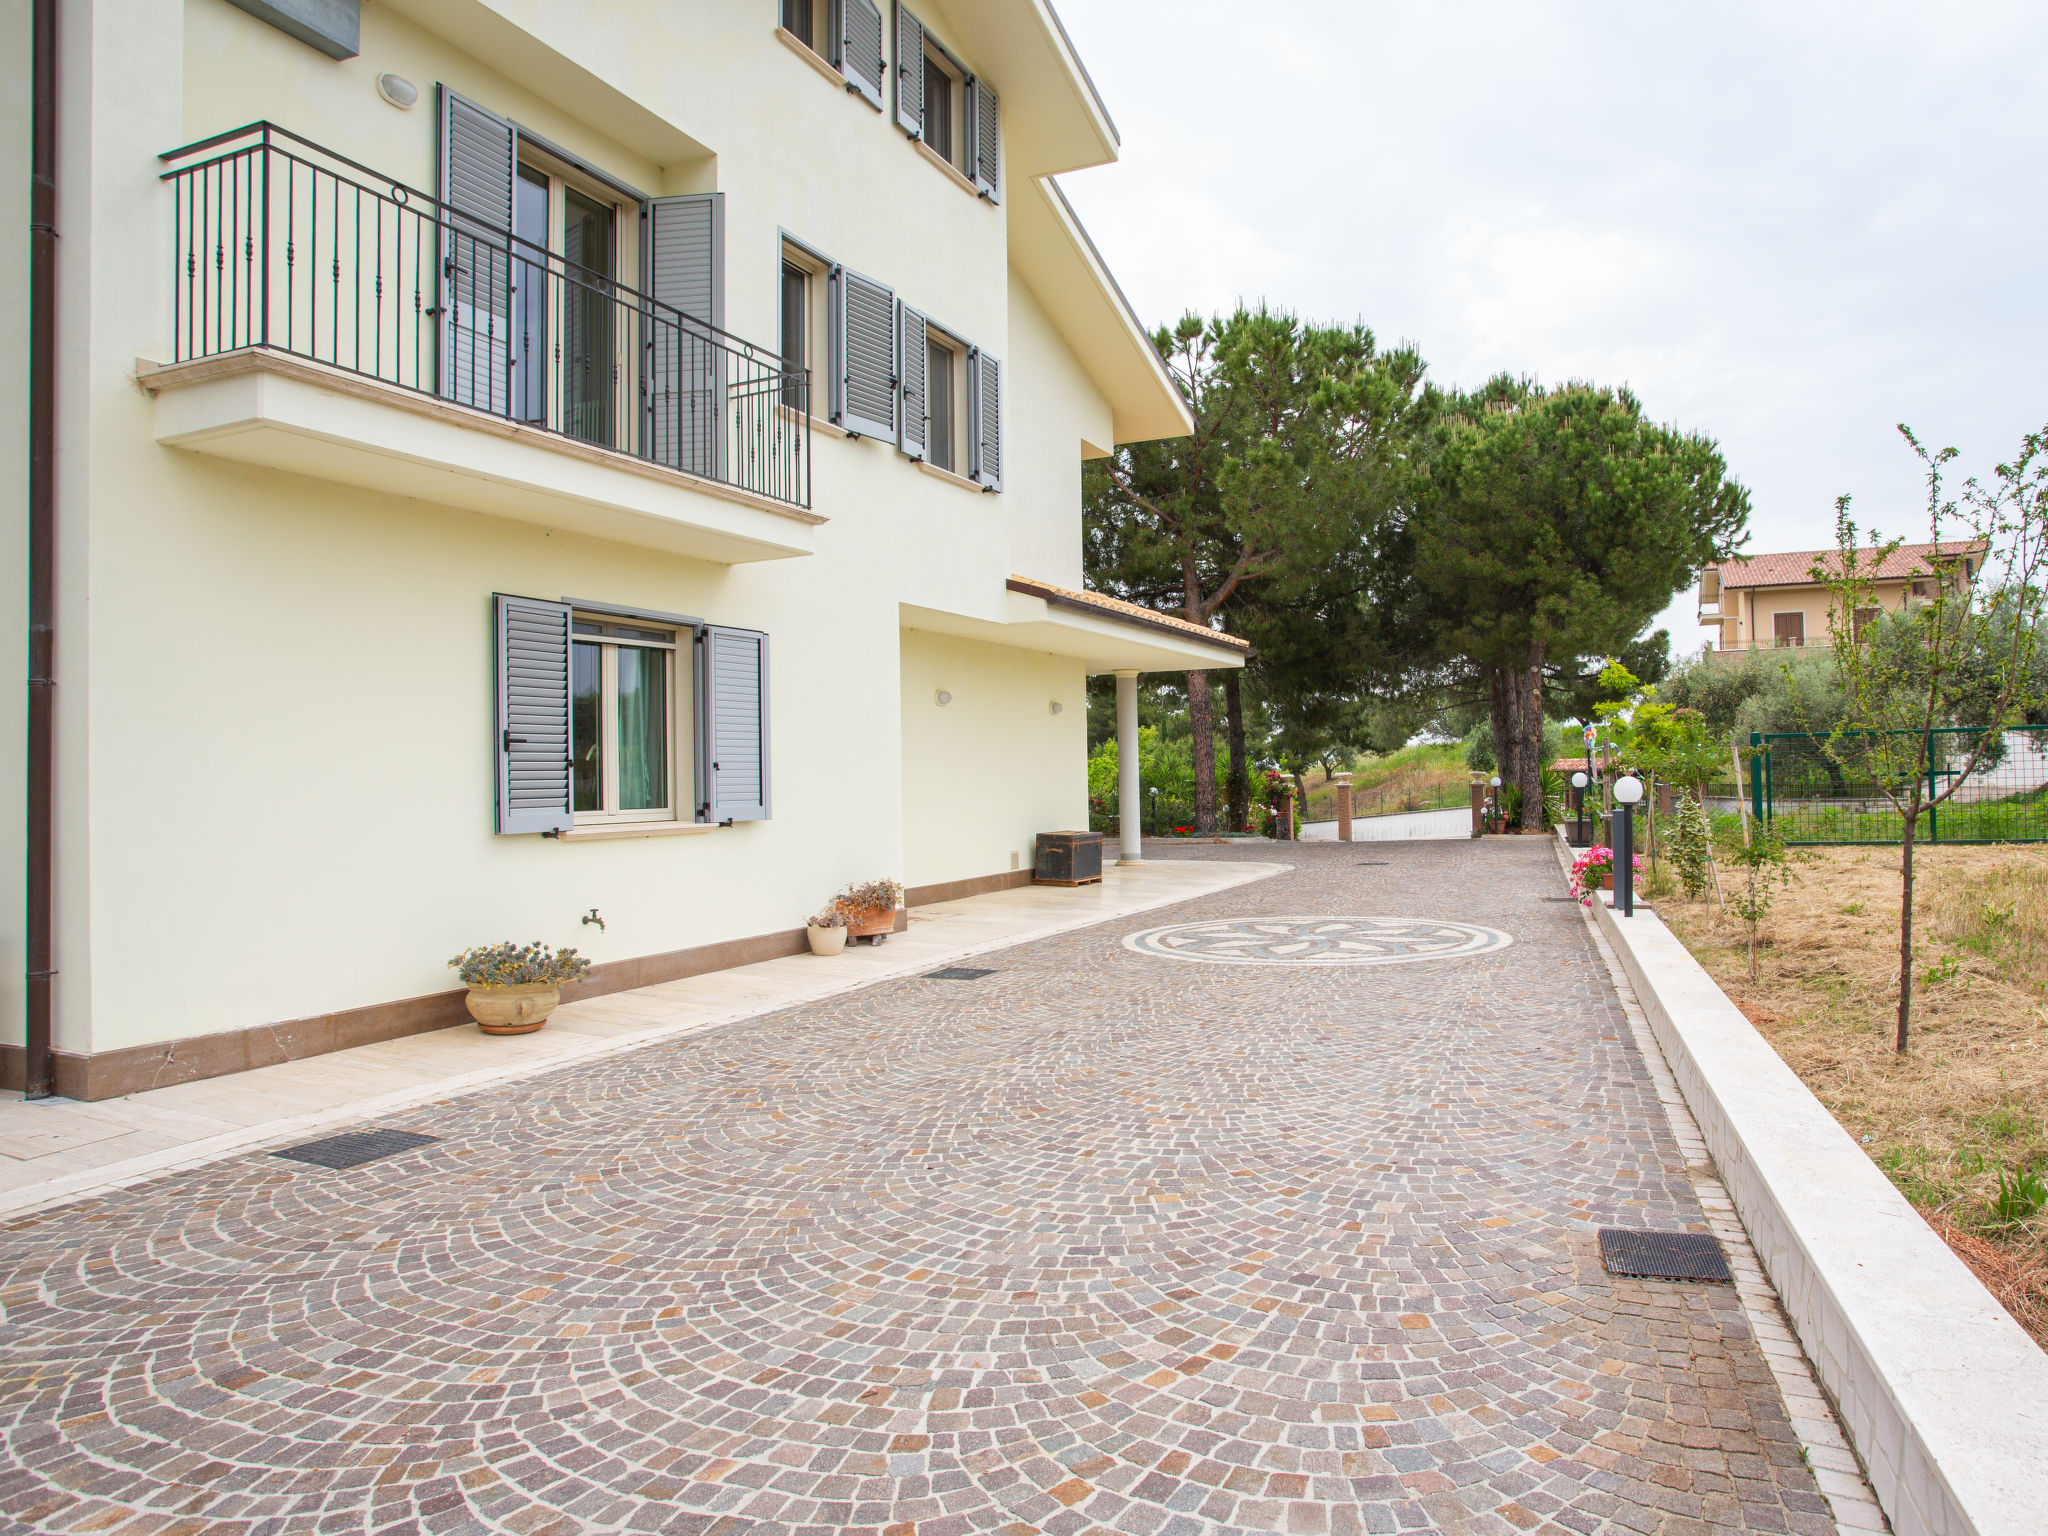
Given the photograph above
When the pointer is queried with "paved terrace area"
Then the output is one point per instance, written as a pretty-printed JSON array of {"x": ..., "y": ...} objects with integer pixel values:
[{"x": 1124, "y": 1236}]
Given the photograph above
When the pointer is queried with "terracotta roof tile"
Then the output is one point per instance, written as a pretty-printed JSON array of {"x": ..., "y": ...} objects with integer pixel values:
[
  {"x": 1129, "y": 613},
  {"x": 1794, "y": 568}
]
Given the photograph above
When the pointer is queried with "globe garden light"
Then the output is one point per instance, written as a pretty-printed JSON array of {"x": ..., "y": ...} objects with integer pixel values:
[
  {"x": 1628, "y": 789},
  {"x": 1495, "y": 781},
  {"x": 1579, "y": 781}
]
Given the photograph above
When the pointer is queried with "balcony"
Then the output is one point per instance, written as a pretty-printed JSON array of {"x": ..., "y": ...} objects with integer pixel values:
[{"x": 334, "y": 323}]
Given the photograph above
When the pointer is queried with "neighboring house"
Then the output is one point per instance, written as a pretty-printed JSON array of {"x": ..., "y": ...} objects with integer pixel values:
[
  {"x": 521, "y": 459},
  {"x": 1762, "y": 601}
]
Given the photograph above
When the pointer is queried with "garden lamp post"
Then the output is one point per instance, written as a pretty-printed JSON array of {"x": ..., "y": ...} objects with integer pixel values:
[
  {"x": 1155, "y": 810},
  {"x": 1628, "y": 789},
  {"x": 1493, "y": 801},
  {"x": 1579, "y": 782}
]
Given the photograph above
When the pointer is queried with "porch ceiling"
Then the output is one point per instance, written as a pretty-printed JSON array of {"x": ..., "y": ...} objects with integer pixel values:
[{"x": 1101, "y": 643}]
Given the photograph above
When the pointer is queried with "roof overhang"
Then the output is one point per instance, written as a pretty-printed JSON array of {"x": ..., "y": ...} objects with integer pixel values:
[
  {"x": 1053, "y": 119},
  {"x": 1102, "y": 640},
  {"x": 1067, "y": 275}
]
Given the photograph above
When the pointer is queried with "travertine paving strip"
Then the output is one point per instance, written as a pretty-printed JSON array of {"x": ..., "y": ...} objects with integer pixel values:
[{"x": 1100, "y": 1242}]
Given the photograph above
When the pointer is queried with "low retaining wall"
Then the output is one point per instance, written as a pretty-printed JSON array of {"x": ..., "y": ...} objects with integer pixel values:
[{"x": 1944, "y": 1396}]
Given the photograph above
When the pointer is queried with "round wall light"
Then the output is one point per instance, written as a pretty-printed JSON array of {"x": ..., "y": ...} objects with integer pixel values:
[
  {"x": 399, "y": 91},
  {"x": 1054, "y": 707},
  {"x": 942, "y": 698}
]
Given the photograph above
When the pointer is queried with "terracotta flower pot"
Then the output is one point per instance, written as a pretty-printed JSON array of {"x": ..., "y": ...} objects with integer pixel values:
[
  {"x": 825, "y": 941},
  {"x": 516, "y": 1010},
  {"x": 1607, "y": 881},
  {"x": 875, "y": 925}
]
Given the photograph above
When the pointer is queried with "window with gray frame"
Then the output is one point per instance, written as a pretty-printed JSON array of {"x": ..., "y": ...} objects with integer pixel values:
[
  {"x": 939, "y": 390},
  {"x": 593, "y": 707},
  {"x": 946, "y": 106},
  {"x": 797, "y": 21}
]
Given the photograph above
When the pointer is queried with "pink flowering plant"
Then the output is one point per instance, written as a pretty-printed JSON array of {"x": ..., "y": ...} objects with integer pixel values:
[{"x": 1591, "y": 867}]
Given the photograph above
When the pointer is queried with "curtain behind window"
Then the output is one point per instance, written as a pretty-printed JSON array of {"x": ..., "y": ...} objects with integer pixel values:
[{"x": 643, "y": 729}]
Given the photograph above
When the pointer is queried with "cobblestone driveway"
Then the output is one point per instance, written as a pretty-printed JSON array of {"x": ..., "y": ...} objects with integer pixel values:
[{"x": 1105, "y": 1241}]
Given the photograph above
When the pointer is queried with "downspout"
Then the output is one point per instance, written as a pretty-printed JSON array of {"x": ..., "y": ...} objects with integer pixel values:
[{"x": 42, "y": 550}]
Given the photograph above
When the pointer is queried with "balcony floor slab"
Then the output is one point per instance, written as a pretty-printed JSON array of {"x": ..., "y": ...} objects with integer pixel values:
[{"x": 268, "y": 408}]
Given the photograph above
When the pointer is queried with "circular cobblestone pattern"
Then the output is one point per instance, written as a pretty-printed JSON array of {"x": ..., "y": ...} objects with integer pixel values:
[
  {"x": 1092, "y": 1244},
  {"x": 1318, "y": 940}
]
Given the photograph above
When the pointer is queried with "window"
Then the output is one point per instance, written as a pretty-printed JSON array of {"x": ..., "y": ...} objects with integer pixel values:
[
  {"x": 942, "y": 391},
  {"x": 1789, "y": 629},
  {"x": 1861, "y": 620},
  {"x": 622, "y": 713},
  {"x": 943, "y": 91},
  {"x": 800, "y": 302},
  {"x": 612, "y": 721},
  {"x": 797, "y": 21},
  {"x": 531, "y": 328},
  {"x": 946, "y": 107},
  {"x": 795, "y": 307}
]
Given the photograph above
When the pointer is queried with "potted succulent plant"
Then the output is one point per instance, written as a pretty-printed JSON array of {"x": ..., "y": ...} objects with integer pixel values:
[
  {"x": 513, "y": 987},
  {"x": 827, "y": 932},
  {"x": 869, "y": 909}
]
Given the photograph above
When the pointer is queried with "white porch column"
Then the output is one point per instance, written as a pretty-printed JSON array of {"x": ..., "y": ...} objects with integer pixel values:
[{"x": 1130, "y": 810}]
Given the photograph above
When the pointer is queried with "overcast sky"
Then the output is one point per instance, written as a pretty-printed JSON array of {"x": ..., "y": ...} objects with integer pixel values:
[{"x": 1786, "y": 225}]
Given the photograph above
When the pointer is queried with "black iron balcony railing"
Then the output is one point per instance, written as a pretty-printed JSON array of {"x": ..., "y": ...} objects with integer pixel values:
[{"x": 281, "y": 244}]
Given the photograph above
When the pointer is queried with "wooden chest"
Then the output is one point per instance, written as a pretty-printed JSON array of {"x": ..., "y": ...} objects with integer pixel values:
[{"x": 1069, "y": 858}]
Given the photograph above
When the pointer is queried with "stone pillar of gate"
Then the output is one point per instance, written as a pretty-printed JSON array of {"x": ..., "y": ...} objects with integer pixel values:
[
  {"x": 1343, "y": 807},
  {"x": 1130, "y": 810}
]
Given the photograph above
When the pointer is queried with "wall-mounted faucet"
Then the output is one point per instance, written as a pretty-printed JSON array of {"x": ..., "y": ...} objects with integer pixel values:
[{"x": 592, "y": 917}]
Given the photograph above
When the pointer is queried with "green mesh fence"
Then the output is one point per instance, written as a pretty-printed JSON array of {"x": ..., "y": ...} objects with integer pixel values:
[{"x": 1814, "y": 795}]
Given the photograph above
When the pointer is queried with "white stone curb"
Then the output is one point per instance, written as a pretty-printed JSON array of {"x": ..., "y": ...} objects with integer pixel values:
[{"x": 1943, "y": 1395}]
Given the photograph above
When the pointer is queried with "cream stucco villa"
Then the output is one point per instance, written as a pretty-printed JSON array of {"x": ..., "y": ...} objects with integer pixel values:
[{"x": 516, "y": 460}]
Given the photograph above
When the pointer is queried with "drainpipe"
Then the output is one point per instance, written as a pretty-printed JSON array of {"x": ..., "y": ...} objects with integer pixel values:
[{"x": 42, "y": 549}]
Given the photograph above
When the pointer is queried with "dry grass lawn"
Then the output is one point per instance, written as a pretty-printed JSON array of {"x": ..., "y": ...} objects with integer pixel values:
[{"x": 1969, "y": 1101}]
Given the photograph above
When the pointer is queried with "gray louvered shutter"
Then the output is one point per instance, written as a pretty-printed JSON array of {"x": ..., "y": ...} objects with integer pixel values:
[
  {"x": 478, "y": 152},
  {"x": 532, "y": 715},
  {"x": 909, "y": 72},
  {"x": 913, "y": 411},
  {"x": 859, "y": 47},
  {"x": 732, "y": 703},
  {"x": 985, "y": 418},
  {"x": 685, "y": 383},
  {"x": 862, "y": 321},
  {"x": 984, "y": 112}
]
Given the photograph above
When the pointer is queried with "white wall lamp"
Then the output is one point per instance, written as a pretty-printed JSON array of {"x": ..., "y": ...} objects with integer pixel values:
[
  {"x": 399, "y": 91},
  {"x": 942, "y": 698},
  {"x": 1055, "y": 707}
]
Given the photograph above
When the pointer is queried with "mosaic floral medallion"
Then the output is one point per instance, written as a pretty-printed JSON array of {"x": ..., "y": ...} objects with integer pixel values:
[{"x": 1318, "y": 940}]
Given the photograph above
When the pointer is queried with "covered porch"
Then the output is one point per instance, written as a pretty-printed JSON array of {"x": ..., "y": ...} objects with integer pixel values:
[{"x": 1105, "y": 635}]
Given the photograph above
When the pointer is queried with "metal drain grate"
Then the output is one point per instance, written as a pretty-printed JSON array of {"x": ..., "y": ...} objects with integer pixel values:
[
  {"x": 1640, "y": 1255},
  {"x": 957, "y": 973},
  {"x": 354, "y": 1148}
]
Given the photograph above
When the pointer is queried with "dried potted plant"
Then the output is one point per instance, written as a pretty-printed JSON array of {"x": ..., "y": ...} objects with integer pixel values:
[
  {"x": 827, "y": 932},
  {"x": 513, "y": 988},
  {"x": 869, "y": 909}
]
